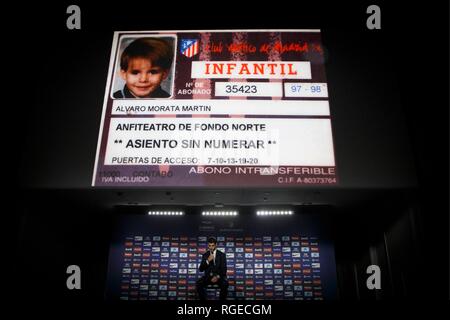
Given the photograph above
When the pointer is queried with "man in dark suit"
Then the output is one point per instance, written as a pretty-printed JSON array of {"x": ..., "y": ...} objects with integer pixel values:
[{"x": 214, "y": 264}]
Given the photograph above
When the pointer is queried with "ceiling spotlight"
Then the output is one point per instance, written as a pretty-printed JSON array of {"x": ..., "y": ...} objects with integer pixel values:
[{"x": 220, "y": 213}]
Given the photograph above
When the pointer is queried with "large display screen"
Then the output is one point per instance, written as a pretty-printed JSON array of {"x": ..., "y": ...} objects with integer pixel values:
[
  {"x": 216, "y": 108},
  {"x": 268, "y": 258}
]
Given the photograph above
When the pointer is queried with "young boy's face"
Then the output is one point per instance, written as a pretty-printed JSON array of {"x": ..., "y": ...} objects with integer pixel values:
[{"x": 142, "y": 78}]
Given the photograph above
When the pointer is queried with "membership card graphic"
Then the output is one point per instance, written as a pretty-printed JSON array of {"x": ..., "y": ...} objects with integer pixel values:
[{"x": 216, "y": 109}]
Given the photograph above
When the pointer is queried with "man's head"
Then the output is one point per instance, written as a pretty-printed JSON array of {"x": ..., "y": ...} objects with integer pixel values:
[
  {"x": 212, "y": 244},
  {"x": 144, "y": 64}
]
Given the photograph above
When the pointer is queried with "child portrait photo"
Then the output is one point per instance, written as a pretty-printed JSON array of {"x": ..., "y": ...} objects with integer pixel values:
[{"x": 144, "y": 68}]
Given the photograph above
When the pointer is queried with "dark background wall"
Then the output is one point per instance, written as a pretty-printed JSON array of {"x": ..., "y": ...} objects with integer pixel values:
[{"x": 390, "y": 125}]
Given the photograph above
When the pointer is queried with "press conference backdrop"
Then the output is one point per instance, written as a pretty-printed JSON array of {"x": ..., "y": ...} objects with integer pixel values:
[
  {"x": 241, "y": 102},
  {"x": 268, "y": 258}
]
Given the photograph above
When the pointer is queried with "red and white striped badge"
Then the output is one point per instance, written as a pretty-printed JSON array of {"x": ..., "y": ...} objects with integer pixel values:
[{"x": 189, "y": 47}]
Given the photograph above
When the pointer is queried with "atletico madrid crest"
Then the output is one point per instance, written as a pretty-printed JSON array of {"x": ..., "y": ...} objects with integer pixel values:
[{"x": 189, "y": 47}]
